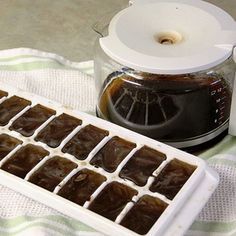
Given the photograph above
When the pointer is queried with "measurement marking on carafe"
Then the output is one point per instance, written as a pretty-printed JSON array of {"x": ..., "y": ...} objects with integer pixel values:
[{"x": 213, "y": 93}]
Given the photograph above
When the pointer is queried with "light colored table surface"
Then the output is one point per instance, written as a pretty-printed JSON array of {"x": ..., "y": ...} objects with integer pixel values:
[{"x": 61, "y": 26}]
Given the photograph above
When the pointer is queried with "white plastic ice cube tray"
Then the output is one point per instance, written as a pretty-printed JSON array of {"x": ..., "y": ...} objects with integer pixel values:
[{"x": 175, "y": 219}]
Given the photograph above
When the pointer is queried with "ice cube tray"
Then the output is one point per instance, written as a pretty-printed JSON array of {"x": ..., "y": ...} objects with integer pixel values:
[{"x": 114, "y": 180}]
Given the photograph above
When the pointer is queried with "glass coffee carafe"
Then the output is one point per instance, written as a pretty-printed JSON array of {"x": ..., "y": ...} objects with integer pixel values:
[{"x": 159, "y": 78}]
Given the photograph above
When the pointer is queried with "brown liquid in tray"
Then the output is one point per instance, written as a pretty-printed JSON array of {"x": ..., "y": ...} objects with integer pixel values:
[
  {"x": 112, "y": 154},
  {"x": 84, "y": 141},
  {"x": 172, "y": 178},
  {"x": 7, "y": 144},
  {"x": 10, "y": 107},
  {"x": 141, "y": 165},
  {"x": 79, "y": 188},
  {"x": 144, "y": 214},
  {"x": 31, "y": 120},
  {"x": 57, "y": 130},
  {"x": 52, "y": 172},
  {"x": 112, "y": 200},
  {"x": 3, "y": 94},
  {"x": 23, "y": 161}
]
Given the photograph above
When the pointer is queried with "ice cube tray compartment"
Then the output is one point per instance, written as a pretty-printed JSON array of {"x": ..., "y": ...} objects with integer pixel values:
[{"x": 117, "y": 181}]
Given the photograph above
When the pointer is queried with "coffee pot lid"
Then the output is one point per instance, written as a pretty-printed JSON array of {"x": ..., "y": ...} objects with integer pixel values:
[{"x": 170, "y": 36}]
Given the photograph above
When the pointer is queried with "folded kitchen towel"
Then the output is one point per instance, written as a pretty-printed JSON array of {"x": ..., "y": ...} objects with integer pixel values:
[
  {"x": 219, "y": 215},
  {"x": 71, "y": 83}
]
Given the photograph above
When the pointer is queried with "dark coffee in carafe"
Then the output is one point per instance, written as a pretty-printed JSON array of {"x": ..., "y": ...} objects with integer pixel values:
[{"x": 166, "y": 107}]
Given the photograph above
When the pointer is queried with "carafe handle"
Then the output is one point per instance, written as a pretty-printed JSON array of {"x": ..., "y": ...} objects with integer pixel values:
[{"x": 232, "y": 120}]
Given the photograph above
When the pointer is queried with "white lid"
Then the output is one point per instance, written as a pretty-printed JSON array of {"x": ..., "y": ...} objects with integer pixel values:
[{"x": 203, "y": 36}]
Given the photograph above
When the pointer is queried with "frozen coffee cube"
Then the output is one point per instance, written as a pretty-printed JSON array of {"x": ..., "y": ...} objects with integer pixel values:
[
  {"x": 84, "y": 141},
  {"x": 11, "y": 107},
  {"x": 81, "y": 186},
  {"x": 112, "y": 154},
  {"x": 141, "y": 165},
  {"x": 7, "y": 144},
  {"x": 57, "y": 130},
  {"x": 24, "y": 160},
  {"x": 3, "y": 94},
  {"x": 112, "y": 200},
  {"x": 27, "y": 123},
  {"x": 144, "y": 214},
  {"x": 172, "y": 178},
  {"x": 52, "y": 172}
]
